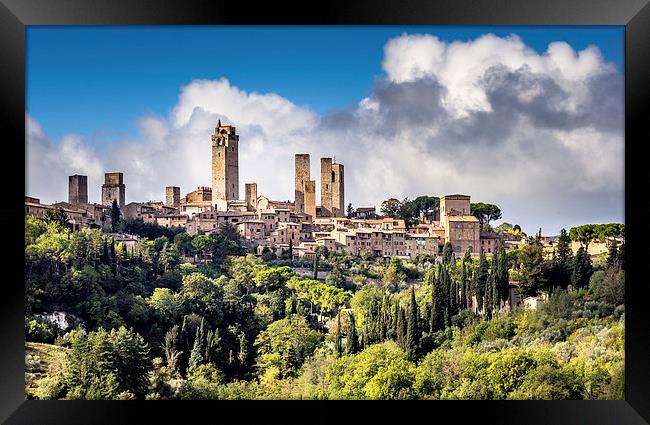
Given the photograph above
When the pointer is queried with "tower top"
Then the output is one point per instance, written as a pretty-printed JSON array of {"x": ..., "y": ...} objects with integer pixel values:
[{"x": 219, "y": 123}]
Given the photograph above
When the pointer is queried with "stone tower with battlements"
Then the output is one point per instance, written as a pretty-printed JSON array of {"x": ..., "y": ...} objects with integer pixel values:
[
  {"x": 225, "y": 166},
  {"x": 173, "y": 196},
  {"x": 78, "y": 189},
  {"x": 113, "y": 188},
  {"x": 301, "y": 177}
]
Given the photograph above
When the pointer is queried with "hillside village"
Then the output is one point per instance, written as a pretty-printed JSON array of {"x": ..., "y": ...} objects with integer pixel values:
[{"x": 211, "y": 296}]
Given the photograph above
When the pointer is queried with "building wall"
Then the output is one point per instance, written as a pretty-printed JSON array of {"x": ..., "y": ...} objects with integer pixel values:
[
  {"x": 113, "y": 189},
  {"x": 201, "y": 194},
  {"x": 251, "y": 196},
  {"x": 338, "y": 191},
  {"x": 463, "y": 234},
  {"x": 78, "y": 189},
  {"x": 454, "y": 205},
  {"x": 173, "y": 196},
  {"x": 326, "y": 186},
  {"x": 310, "y": 199},
  {"x": 225, "y": 164},
  {"x": 301, "y": 178}
]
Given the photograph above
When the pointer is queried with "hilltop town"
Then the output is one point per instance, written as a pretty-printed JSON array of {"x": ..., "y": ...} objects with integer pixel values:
[{"x": 299, "y": 225}]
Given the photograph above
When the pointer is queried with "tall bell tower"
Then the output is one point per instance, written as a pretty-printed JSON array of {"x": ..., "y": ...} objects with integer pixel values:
[{"x": 225, "y": 166}]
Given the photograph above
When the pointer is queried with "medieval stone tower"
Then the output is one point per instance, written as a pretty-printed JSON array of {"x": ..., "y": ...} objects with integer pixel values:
[
  {"x": 225, "y": 166},
  {"x": 172, "y": 196},
  {"x": 338, "y": 191},
  {"x": 78, "y": 189},
  {"x": 332, "y": 190},
  {"x": 113, "y": 189},
  {"x": 326, "y": 187},
  {"x": 310, "y": 198},
  {"x": 251, "y": 196},
  {"x": 302, "y": 176}
]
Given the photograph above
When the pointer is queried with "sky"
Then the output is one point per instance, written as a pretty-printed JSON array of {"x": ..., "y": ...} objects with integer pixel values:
[{"x": 528, "y": 118}]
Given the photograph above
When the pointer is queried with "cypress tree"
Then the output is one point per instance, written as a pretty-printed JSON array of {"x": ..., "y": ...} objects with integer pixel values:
[
  {"x": 447, "y": 253},
  {"x": 196, "y": 356},
  {"x": 463, "y": 287},
  {"x": 453, "y": 297},
  {"x": 612, "y": 257},
  {"x": 396, "y": 320},
  {"x": 488, "y": 295},
  {"x": 481, "y": 277},
  {"x": 104, "y": 259},
  {"x": 316, "y": 263},
  {"x": 438, "y": 298},
  {"x": 294, "y": 304},
  {"x": 339, "y": 337},
  {"x": 412, "y": 329},
  {"x": 621, "y": 257},
  {"x": 352, "y": 340},
  {"x": 401, "y": 329},
  {"x": 582, "y": 269}
]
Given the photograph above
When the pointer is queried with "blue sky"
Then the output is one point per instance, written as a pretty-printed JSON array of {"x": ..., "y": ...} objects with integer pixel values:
[{"x": 97, "y": 81}]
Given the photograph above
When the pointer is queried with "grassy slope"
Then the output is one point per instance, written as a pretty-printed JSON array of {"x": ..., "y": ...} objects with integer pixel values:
[{"x": 41, "y": 360}]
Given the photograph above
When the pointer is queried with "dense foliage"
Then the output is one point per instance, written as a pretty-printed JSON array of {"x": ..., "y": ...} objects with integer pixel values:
[{"x": 196, "y": 317}]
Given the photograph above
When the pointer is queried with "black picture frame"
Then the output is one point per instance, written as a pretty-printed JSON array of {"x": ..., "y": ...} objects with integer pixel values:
[{"x": 15, "y": 15}]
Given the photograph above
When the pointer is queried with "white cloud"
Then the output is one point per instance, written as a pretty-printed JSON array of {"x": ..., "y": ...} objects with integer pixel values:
[{"x": 539, "y": 135}]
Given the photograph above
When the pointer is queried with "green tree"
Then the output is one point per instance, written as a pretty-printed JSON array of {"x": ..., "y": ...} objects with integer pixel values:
[
  {"x": 338, "y": 343},
  {"x": 316, "y": 259},
  {"x": 55, "y": 216},
  {"x": 349, "y": 211},
  {"x": 412, "y": 329},
  {"x": 480, "y": 281},
  {"x": 391, "y": 207},
  {"x": 438, "y": 306},
  {"x": 352, "y": 339},
  {"x": 531, "y": 273},
  {"x": 394, "y": 274},
  {"x": 285, "y": 344},
  {"x": 115, "y": 215},
  {"x": 563, "y": 261},
  {"x": 447, "y": 253},
  {"x": 485, "y": 212},
  {"x": 102, "y": 365},
  {"x": 582, "y": 269}
]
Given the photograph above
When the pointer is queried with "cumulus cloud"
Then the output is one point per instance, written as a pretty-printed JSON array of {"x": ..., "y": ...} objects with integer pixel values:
[{"x": 541, "y": 135}]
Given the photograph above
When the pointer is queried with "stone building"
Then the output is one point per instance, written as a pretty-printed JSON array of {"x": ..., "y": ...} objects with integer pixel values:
[
  {"x": 338, "y": 191},
  {"x": 251, "y": 196},
  {"x": 172, "y": 220},
  {"x": 326, "y": 187},
  {"x": 77, "y": 219},
  {"x": 332, "y": 188},
  {"x": 113, "y": 189},
  {"x": 454, "y": 205},
  {"x": 462, "y": 229},
  {"x": 78, "y": 189},
  {"x": 201, "y": 194},
  {"x": 225, "y": 166},
  {"x": 301, "y": 179},
  {"x": 138, "y": 210},
  {"x": 173, "y": 196},
  {"x": 310, "y": 199}
]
